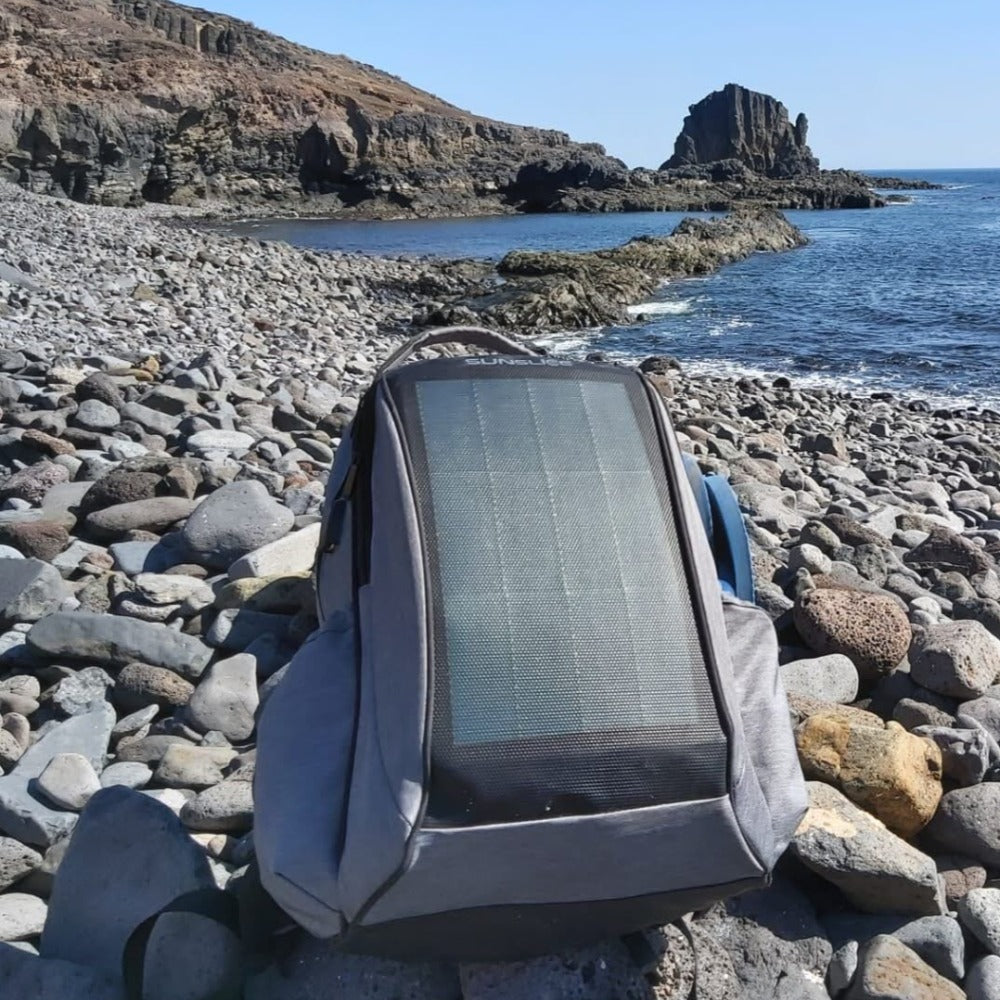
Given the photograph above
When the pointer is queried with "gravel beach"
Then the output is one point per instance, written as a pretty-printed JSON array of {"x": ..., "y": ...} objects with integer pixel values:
[{"x": 172, "y": 400}]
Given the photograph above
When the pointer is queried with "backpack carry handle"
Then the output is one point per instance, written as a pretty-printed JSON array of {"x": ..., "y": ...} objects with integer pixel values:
[{"x": 471, "y": 336}]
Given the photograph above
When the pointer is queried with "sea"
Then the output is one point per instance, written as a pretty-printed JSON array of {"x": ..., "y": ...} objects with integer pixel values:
[{"x": 903, "y": 299}]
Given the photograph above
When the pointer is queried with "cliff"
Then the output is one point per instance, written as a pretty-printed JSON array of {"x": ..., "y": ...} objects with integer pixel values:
[
  {"x": 746, "y": 126},
  {"x": 117, "y": 102}
]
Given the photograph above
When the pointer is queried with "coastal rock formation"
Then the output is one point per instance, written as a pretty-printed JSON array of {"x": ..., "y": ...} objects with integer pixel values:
[
  {"x": 117, "y": 102},
  {"x": 563, "y": 289},
  {"x": 736, "y": 127}
]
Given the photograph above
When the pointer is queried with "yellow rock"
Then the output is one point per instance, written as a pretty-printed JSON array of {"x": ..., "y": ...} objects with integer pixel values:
[
  {"x": 282, "y": 594},
  {"x": 891, "y": 773}
]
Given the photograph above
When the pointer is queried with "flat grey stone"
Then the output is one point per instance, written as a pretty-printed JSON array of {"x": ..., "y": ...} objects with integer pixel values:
[
  {"x": 131, "y": 724},
  {"x": 69, "y": 781},
  {"x": 129, "y": 857},
  {"x": 875, "y": 869},
  {"x": 217, "y": 440},
  {"x": 225, "y": 808},
  {"x": 155, "y": 514},
  {"x": 189, "y": 956},
  {"x": 826, "y": 678},
  {"x": 288, "y": 556},
  {"x": 16, "y": 861},
  {"x": 234, "y": 520},
  {"x": 117, "y": 641},
  {"x": 148, "y": 557},
  {"x": 25, "y": 976},
  {"x": 96, "y": 416},
  {"x": 979, "y": 910},
  {"x": 21, "y": 916},
  {"x": 22, "y": 814},
  {"x": 236, "y": 628},
  {"x": 29, "y": 589},
  {"x": 127, "y": 773}
]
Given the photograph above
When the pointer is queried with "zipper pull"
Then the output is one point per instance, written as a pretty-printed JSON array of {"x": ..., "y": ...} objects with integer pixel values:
[{"x": 338, "y": 510}]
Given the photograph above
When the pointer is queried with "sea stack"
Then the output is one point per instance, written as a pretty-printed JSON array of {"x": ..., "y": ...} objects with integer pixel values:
[{"x": 746, "y": 126}]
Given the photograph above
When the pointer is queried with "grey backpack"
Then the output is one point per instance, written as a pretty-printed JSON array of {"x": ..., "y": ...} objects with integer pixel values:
[{"x": 530, "y": 718}]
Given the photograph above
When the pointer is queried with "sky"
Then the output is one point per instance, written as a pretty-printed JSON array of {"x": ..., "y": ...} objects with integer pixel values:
[{"x": 886, "y": 83}]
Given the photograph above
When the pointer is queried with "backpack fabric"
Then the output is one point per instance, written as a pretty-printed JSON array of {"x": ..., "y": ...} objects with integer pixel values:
[{"x": 530, "y": 718}]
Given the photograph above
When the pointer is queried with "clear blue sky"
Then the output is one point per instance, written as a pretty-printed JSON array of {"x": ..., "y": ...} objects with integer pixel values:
[{"x": 885, "y": 83}]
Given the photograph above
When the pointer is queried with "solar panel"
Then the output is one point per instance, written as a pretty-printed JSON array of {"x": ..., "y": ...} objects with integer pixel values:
[{"x": 560, "y": 601}]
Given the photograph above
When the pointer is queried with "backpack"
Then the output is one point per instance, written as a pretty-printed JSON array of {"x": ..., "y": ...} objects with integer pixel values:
[{"x": 531, "y": 717}]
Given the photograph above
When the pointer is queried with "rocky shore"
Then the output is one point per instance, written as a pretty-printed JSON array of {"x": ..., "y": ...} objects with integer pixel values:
[
  {"x": 172, "y": 401},
  {"x": 119, "y": 102}
]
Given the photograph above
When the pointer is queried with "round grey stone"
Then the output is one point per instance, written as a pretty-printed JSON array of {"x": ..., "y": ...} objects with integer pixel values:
[
  {"x": 236, "y": 519},
  {"x": 94, "y": 415},
  {"x": 826, "y": 678},
  {"x": 225, "y": 808},
  {"x": 127, "y": 773}
]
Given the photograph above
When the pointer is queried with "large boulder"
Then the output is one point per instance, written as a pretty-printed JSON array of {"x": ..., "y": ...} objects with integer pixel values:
[
  {"x": 878, "y": 871},
  {"x": 743, "y": 125},
  {"x": 129, "y": 857}
]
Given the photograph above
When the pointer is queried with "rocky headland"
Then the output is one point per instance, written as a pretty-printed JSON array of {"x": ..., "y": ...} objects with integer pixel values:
[
  {"x": 120, "y": 102},
  {"x": 172, "y": 401}
]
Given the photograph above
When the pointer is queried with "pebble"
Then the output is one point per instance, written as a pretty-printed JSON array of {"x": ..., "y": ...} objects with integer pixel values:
[
  {"x": 16, "y": 861},
  {"x": 288, "y": 556},
  {"x": 224, "y": 808},
  {"x": 116, "y": 641},
  {"x": 965, "y": 823},
  {"x": 68, "y": 781},
  {"x": 983, "y": 980},
  {"x": 21, "y": 916},
  {"x": 888, "y": 970}
]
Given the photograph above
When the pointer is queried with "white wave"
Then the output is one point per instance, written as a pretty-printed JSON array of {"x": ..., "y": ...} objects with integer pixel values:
[{"x": 672, "y": 308}]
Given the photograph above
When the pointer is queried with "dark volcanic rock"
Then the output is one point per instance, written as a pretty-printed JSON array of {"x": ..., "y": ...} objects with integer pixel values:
[{"x": 751, "y": 128}]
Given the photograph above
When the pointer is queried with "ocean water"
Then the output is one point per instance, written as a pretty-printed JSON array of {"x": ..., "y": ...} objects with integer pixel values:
[{"x": 905, "y": 298}]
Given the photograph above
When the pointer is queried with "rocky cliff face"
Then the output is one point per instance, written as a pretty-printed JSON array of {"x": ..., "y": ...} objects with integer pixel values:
[
  {"x": 116, "y": 101},
  {"x": 753, "y": 129},
  {"x": 122, "y": 101}
]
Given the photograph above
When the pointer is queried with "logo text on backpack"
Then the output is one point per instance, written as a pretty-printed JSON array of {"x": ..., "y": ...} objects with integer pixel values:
[{"x": 520, "y": 361}]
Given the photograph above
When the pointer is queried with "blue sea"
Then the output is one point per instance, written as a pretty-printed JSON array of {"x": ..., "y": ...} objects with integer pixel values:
[{"x": 904, "y": 298}]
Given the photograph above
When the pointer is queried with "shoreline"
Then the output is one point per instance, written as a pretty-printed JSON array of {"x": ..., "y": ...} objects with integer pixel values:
[{"x": 149, "y": 379}]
